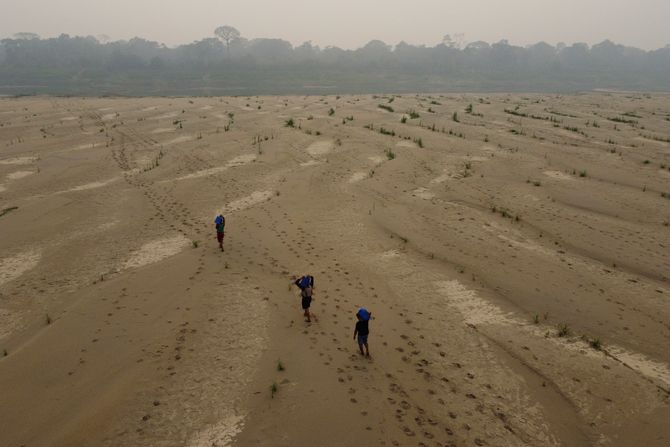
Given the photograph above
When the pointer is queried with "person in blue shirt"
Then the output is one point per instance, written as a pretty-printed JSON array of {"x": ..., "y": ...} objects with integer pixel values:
[
  {"x": 306, "y": 285},
  {"x": 220, "y": 223},
  {"x": 362, "y": 330}
]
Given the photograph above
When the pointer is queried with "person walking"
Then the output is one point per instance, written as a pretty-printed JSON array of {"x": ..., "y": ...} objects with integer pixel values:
[
  {"x": 362, "y": 330},
  {"x": 220, "y": 223}
]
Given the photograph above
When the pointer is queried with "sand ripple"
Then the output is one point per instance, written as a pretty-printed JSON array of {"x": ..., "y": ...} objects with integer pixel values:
[
  {"x": 237, "y": 161},
  {"x": 18, "y": 161},
  {"x": 15, "y": 266},
  {"x": 221, "y": 434},
  {"x": 320, "y": 147},
  {"x": 19, "y": 174},
  {"x": 254, "y": 198},
  {"x": 157, "y": 250}
]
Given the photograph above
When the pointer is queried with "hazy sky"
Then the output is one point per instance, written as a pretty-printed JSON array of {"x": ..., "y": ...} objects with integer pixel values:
[{"x": 349, "y": 23}]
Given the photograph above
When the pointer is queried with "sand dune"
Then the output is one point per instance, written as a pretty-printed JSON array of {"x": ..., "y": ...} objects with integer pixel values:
[{"x": 517, "y": 277}]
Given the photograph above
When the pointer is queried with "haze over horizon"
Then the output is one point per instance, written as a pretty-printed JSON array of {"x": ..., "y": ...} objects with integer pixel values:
[{"x": 350, "y": 24}]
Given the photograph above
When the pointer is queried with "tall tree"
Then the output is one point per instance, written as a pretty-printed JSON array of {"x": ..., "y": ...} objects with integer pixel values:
[{"x": 227, "y": 34}]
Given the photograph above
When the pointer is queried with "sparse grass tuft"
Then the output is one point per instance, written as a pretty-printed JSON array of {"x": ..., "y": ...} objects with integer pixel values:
[
  {"x": 389, "y": 154},
  {"x": 582, "y": 173},
  {"x": 195, "y": 243},
  {"x": 384, "y": 131},
  {"x": 563, "y": 330},
  {"x": 419, "y": 142},
  {"x": 413, "y": 114},
  {"x": 385, "y": 107},
  {"x": 331, "y": 112},
  {"x": 273, "y": 389},
  {"x": 280, "y": 366},
  {"x": 289, "y": 123},
  {"x": 454, "y": 117},
  {"x": 596, "y": 344},
  {"x": 48, "y": 319},
  {"x": 536, "y": 319}
]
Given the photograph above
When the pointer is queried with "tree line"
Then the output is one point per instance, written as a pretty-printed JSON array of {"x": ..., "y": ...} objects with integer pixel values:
[{"x": 229, "y": 64}]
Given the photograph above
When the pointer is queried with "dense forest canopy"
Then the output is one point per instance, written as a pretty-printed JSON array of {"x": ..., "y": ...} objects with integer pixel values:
[{"x": 229, "y": 64}]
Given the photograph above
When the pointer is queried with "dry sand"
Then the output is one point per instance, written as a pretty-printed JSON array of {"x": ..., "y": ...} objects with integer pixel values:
[{"x": 122, "y": 324}]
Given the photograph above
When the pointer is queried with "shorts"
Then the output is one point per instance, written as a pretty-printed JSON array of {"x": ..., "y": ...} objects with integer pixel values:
[
  {"x": 306, "y": 302},
  {"x": 362, "y": 339},
  {"x": 219, "y": 237}
]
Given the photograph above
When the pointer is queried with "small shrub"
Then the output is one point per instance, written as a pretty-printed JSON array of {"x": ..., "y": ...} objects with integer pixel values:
[
  {"x": 289, "y": 123},
  {"x": 563, "y": 330},
  {"x": 280, "y": 366},
  {"x": 454, "y": 117},
  {"x": 468, "y": 109},
  {"x": 48, "y": 319},
  {"x": 195, "y": 243},
  {"x": 413, "y": 114},
  {"x": 403, "y": 120},
  {"x": 273, "y": 389},
  {"x": 536, "y": 319},
  {"x": 582, "y": 173},
  {"x": 385, "y": 107},
  {"x": 389, "y": 154},
  {"x": 596, "y": 344},
  {"x": 331, "y": 112}
]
